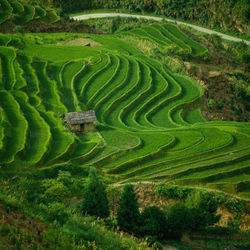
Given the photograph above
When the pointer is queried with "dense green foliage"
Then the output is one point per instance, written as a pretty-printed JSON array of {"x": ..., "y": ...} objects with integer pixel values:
[
  {"x": 180, "y": 220},
  {"x": 22, "y": 12},
  {"x": 153, "y": 223},
  {"x": 149, "y": 128},
  {"x": 128, "y": 215},
  {"x": 227, "y": 14},
  {"x": 204, "y": 208},
  {"x": 95, "y": 201},
  {"x": 154, "y": 112}
]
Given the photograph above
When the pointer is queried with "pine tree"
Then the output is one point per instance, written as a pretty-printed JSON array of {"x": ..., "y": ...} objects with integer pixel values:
[
  {"x": 128, "y": 215},
  {"x": 95, "y": 201}
]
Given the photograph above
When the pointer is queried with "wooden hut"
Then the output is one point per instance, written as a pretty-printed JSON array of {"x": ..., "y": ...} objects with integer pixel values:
[{"x": 81, "y": 122}]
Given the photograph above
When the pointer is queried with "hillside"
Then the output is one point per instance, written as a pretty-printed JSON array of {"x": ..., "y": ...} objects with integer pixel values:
[
  {"x": 154, "y": 113},
  {"x": 27, "y": 16},
  {"x": 156, "y": 89},
  {"x": 225, "y": 14}
]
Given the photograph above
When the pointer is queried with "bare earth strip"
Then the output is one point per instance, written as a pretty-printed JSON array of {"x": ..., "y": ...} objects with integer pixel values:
[{"x": 208, "y": 31}]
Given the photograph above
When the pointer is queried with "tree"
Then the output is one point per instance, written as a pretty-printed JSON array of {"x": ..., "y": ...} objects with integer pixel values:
[
  {"x": 128, "y": 215},
  {"x": 95, "y": 201},
  {"x": 153, "y": 223},
  {"x": 203, "y": 207},
  {"x": 179, "y": 220}
]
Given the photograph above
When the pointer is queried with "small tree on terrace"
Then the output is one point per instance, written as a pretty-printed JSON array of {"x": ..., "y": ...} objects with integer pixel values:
[
  {"x": 128, "y": 215},
  {"x": 95, "y": 201}
]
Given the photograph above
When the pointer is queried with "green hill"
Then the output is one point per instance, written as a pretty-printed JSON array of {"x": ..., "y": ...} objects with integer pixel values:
[
  {"x": 149, "y": 119},
  {"x": 230, "y": 15},
  {"x": 21, "y": 12}
]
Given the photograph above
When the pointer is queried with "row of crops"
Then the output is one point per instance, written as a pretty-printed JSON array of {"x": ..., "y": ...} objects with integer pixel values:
[
  {"x": 21, "y": 12},
  {"x": 165, "y": 35},
  {"x": 150, "y": 126}
]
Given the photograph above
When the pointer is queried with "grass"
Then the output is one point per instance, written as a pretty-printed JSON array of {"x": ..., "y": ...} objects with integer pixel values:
[
  {"x": 26, "y": 16},
  {"x": 112, "y": 114},
  {"x": 69, "y": 72},
  {"x": 4, "y": 39},
  {"x": 31, "y": 79},
  {"x": 59, "y": 53},
  {"x": 145, "y": 13},
  {"x": 197, "y": 48},
  {"x": 7, "y": 58},
  {"x": 17, "y": 7},
  {"x": 38, "y": 136},
  {"x": 2, "y": 128},
  {"x": 61, "y": 139},
  {"x": 5, "y": 11},
  {"x": 39, "y": 12},
  {"x": 48, "y": 90},
  {"x": 116, "y": 83},
  {"x": 15, "y": 136},
  {"x": 149, "y": 125},
  {"x": 20, "y": 81},
  {"x": 96, "y": 87}
]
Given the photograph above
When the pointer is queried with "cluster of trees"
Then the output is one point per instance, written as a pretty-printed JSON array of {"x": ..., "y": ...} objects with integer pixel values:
[{"x": 198, "y": 213}]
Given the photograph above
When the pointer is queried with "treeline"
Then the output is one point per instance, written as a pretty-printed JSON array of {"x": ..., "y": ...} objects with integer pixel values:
[
  {"x": 197, "y": 214},
  {"x": 232, "y": 14}
]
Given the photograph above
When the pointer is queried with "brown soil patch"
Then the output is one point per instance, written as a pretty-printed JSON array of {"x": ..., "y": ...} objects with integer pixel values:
[{"x": 216, "y": 72}]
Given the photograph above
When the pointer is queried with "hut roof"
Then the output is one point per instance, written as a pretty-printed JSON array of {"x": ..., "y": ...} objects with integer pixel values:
[{"x": 81, "y": 117}]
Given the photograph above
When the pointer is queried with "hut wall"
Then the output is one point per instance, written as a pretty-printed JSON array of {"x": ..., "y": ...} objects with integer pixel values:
[
  {"x": 74, "y": 127},
  {"x": 89, "y": 127}
]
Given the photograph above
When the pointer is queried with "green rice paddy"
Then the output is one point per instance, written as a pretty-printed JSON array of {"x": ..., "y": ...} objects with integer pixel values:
[{"x": 149, "y": 128}]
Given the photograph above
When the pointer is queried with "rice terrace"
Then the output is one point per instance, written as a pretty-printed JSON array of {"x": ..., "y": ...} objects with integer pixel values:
[{"x": 151, "y": 126}]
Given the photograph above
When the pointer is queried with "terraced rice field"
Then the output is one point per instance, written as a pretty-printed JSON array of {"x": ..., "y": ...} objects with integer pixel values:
[
  {"x": 21, "y": 12},
  {"x": 150, "y": 126}
]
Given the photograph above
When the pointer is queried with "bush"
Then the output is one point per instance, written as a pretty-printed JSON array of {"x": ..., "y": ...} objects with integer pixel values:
[
  {"x": 211, "y": 104},
  {"x": 245, "y": 58},
  {"x": 179, "y": 220},
  {"x": 173, "y": 191},
  {"x": 95, "y": 201},
  {"x": 17, "y": 42},
  {"x": 57, "y": 211},
  {"x": 128, "y": 216},
  {"x": 154, "y": 223},
  {"x": 54, "y": 191}
]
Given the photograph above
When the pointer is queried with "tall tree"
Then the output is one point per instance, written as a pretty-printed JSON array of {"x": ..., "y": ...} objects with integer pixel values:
[
  {"x": 203, "y": 208},
  {"x": 95, "y": 201},
  {"x": 128, "y": 216}
]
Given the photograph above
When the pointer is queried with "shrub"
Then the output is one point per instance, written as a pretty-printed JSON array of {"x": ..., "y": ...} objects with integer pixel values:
[
  {"x": 54, "y": 191},
  {"x": 245, "y": 58},
  {"x": 154, "y": 223},
  {"x": 57, "y": 211},
  {"x": 17, "y": 42},
  {"x": 173, "y": 191},
  {"x": 95, "y": 201},
  {"x": 179, "y": 220},
  {"x": 128, "y": 215},
  {"x": 211, "y": 104}
]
